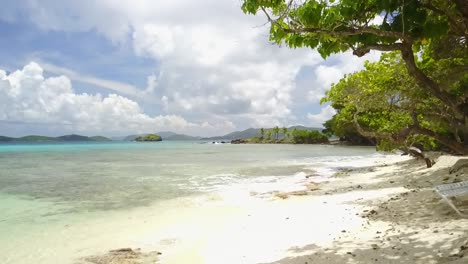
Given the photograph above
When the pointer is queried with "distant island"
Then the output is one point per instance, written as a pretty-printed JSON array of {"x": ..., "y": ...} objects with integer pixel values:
[
  {"x": 149, "y": 138},
  {"x": 166, "y": 136},
  {"x": 66, "y": 138}
]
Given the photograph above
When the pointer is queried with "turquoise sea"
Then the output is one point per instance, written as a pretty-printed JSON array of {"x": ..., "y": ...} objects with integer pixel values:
[{"x": 60, "y": 201}]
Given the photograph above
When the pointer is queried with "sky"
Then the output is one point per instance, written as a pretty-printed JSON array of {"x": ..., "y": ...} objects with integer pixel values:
[{"x": 119, "y": 67}]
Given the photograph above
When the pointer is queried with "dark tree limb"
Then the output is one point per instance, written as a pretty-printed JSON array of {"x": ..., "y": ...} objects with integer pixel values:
[
  {"x": 361, "y": 51},
  {"x": 424, "y": 81},
  {"x": 345, "y": 32},
  {"x": 417, "y": 153}
]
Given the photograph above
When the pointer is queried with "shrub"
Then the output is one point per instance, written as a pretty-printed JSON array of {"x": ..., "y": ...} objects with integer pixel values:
[{"x": 308, "y": 137}]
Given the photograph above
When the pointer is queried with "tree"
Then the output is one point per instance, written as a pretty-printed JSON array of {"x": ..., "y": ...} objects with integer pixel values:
[
  {"x": 284, "y": 130},
  {"x": 383, "y": 102},
  {"x": 345, "y": 130},
  {"x": 268, "y": 133},
  {"x": 308, "y": 137},
  {"x": 438, "y": 28},
  {"x": 276, "y": 131},
  {"x": 262, "y": 132}
]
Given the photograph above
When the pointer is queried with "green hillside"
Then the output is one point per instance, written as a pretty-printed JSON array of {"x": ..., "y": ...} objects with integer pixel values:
[{"x": 149, "y": 138}]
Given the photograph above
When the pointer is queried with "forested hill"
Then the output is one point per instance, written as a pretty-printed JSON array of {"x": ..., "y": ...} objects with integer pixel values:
[
  {"x": 66, "y": 138},
  {"x": 256, "y": 132}
]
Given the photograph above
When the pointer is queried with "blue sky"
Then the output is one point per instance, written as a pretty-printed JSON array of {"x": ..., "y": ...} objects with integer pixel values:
[{"x": 123, "y": 67}]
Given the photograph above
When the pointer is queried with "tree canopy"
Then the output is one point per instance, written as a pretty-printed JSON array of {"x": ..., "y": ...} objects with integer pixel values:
[
  {"x": 429, "y": 74},
  {"x": 383, "y": 102}
]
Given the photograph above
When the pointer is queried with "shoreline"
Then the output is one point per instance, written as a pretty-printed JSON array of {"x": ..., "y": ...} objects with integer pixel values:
[{"x": 383, "y": 213}]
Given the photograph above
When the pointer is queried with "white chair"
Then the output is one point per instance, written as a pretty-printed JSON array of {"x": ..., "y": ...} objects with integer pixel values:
[{"x": 453, "y": 190}]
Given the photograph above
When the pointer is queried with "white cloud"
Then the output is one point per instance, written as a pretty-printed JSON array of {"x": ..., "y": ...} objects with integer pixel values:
[
  {"x": 119, "y": 87},
  {"x": 154, "y": 40},
  {"x": 325, "y": 114},
  {"x": 226, "y": 72},
  {"x": 27, "y": 96},
  {"x": 213, "y": 61},
  {"x": 326, "y": 75}
]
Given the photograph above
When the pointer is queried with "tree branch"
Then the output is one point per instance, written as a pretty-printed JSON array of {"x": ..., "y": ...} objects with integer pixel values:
[
  {"x": 350, "y": 31},
  {"x": 361, "y": 51},
  {"x": 424, "y": 81},
  {"x": 369, "y": 134}
]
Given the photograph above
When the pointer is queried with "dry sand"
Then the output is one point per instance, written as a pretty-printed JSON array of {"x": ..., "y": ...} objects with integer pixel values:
[{"x": 387, "y": 213}]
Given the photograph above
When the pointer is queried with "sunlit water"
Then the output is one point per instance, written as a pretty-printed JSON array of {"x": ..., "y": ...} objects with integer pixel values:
[{"x": 45, "y": 189}]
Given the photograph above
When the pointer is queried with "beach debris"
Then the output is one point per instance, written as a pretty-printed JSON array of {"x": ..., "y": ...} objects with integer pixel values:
[
  {"x": 461, "y": 163},
  {"x": 367, "y": 213},
  {"x": 312, "y": 186},
  {"x": 123, "y": 250},
  {"x": 122, "y": 256},
  {"x": 299, "y": 193},
  {"x": 282, "y": 195},
  {"x": 461, "y": 250}
]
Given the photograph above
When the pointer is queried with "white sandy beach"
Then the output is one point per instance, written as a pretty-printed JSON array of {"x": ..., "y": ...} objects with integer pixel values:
[{"x": 386, "y": 213}]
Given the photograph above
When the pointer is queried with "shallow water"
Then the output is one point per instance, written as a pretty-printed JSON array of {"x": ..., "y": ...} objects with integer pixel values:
[{"x": 46, "y": 191}]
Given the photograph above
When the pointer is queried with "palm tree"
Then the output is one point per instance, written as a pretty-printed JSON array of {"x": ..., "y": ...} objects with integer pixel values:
[
  {"x": 276, "y": 131},
  {"x": 262, "y": 132},
  {"x": 284, "y": 130},
  {"x": 268, "y": 133}
]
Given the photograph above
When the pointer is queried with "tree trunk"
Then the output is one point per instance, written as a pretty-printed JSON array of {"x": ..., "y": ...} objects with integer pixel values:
[
  {"x": 424, "y": 81},
  {"x": 415, "y": 152},
  {"x": 465, "y": 133},
  {"x": 462, "y": 6}
]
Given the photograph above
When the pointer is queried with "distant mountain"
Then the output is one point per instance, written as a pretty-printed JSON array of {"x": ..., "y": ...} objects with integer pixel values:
[
  {"x": 117, "y": 138},
  {"x": 73, "y": 137},
  {"x": 248, "y": 133},
  {"x": 255, "y": 132},
  {"x": 133, "y": 137},
  {"x": 66, "y": 138},
  {"x": 34, "y": 138},
  {"x": 6, "y": 139},
  {"x": 180, "y": 137},
  {"x": 100, "y": 138},
  {"x": 166, "y": 134}
]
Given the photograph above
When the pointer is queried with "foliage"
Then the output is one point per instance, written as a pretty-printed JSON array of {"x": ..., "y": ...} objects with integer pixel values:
[
  {"x": 262, "y": 132},
  {"x": 346, "y": 131},
  {"x": 276, "y": 132},
  {"x": 308, "y": 137},
  {"x": 431, "y": 39},
  {"x": 333, "y": 27},
  {"x": 383, "y": 102},
  {"x": 149, "y": 137},
  {"x": 284, "y": 130}
]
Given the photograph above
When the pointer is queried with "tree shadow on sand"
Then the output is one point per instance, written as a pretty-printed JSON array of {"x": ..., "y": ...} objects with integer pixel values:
[
  {"x": 419, "y": 227},
  {"x": 391, "y": 252}
]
